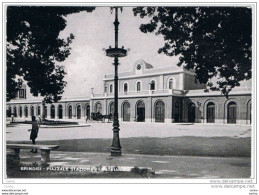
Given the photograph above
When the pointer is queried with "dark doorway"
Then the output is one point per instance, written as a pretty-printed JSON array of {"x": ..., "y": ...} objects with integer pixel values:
[
  {"x": 9, "y": 112},
  {"x": 140, "y": 112},
  {"x": 60, "y": 112},
  {"x": 20, "y": 111},
  {"x": 78, "y": 112},
  {"x": 45, "y": 112},
  {"x": 126, "y": 111},
  {"x": 160, "y": 112},
  {"x": 177, "y": 112},
  {"x": 211, "y": 113},
  {"x": 88, "y": 111},
  {"x": 32, "y": 111},
  {"x": 70, "y": 112},
  {"x": 15, "y": 112},
  {"x": 52, "y": 111},
  {"x": 191, "y": 112},
  {"x": 26, "y": 111},
  {"x": 232, "y": 113}
]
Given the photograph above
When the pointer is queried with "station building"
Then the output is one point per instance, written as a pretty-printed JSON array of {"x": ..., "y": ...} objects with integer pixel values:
[{"x": 147, "y": 94}]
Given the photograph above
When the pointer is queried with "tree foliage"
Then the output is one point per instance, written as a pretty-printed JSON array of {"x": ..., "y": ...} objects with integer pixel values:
[
  {"x": 34, "y": 49},
  {"x": 214, "y": 41}
]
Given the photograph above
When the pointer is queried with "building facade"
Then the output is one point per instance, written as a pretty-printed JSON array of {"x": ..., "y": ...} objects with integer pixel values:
[{"x": 148, "y": 94}]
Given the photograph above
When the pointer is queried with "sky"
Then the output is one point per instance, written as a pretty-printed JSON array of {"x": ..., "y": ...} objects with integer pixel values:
[{"x": 87, "y": 64}]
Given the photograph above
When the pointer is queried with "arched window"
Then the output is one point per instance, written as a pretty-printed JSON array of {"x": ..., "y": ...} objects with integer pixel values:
[
  {"x": 78, "y": 112},
  {"x": 26, "y": 111},
  {"x": 38, "y": 111},
  {"x": 70, "y": 112},
  {"x": 170, "y": 83},
  {"x": 111, "y": 88},
  {"x": 125, "y": 87},
  {"x": 98, "y": 108},
  {"x": 20, "y": 111},
  {"x": 52, "y": 111},
  {"x": 138, "y": 86},
  {"x": 152, "y": 85},
  {"x": 60, "y": 111},
  {"x": 32, "y": 111}
]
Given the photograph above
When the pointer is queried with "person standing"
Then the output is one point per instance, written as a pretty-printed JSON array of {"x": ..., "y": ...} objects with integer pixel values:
[{"x": 34, "y": 132}]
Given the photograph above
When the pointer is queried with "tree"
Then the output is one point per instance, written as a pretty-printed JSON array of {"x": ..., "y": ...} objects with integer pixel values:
[
  {"x": 34, "y": 49},
  {"x": 214, "y": 41}
]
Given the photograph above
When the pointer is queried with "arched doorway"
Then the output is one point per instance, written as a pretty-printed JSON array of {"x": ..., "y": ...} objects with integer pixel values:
[
  {"x": 60, "y": 111},
  {"x": 45, "y": 112},
  {"x": 98, "y": 108},
  {"x": 20, "y": 111},
  {"x": 78, "y": 112},
  {"x": 9, "y": 112},
  {"x": 250, "y": 112},
  {"x": 111, "y": 110},
  {"x": 159, "y": 111},
  {"x": 210, "y": 112},
  {"x": 140, "y": 112},
  {"x": 232, "y": 113},
  {"x": 15, "y": 112},
  {"x": 126, "y": 111},
  {"x": 87, "y": 111},
  {"x": 70, "y": 112},
  {"x": 177, "y": 112},
  {"x": 26, "y": 111},
  {"x": 52, "y": 111},
  {"x": 32, "y": 111},
  {"x": 191, "y": 112},
  {"x": 38, "y": 111}
]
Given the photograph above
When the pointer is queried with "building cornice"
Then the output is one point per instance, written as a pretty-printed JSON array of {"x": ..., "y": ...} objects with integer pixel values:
[
  {"x": 40, "y": 101},
  {"x": 149, "y": 75}
]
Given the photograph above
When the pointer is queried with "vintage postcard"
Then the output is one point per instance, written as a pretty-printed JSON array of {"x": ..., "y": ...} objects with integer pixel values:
[{"x": 129, "y": 93}]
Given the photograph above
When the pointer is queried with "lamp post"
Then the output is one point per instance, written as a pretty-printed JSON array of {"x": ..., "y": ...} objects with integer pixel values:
[{"x": 116, "y": 53}]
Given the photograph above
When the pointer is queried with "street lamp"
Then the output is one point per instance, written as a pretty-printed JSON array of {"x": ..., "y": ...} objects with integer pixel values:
[{"x": 116, "y": 53}]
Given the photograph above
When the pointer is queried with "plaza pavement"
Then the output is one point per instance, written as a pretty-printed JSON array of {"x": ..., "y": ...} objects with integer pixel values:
[
  {"x": 174, "y": 167},
  {"x": 163, "y": 166},
  {"x": 130, "y": 129}
]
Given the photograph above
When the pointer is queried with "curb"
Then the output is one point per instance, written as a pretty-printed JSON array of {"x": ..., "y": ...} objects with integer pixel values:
[{"x": 62, "y": 126}]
